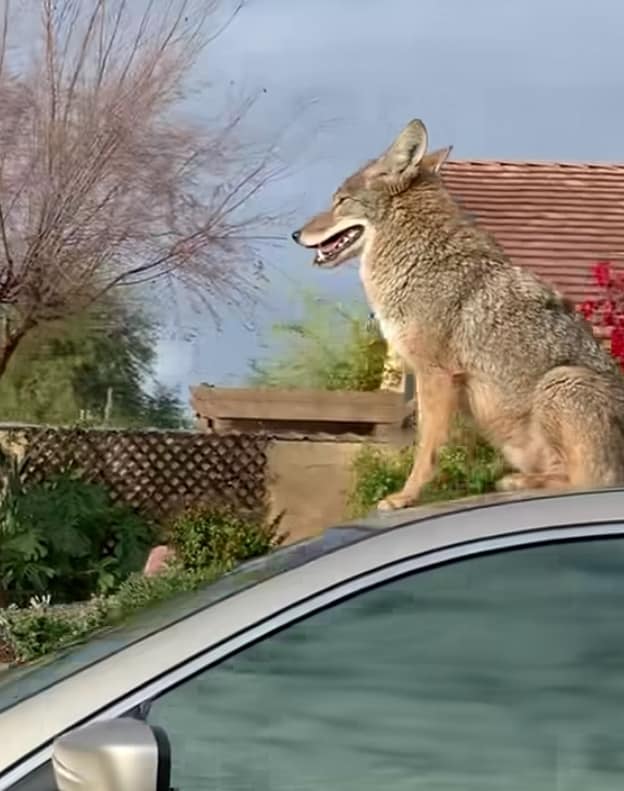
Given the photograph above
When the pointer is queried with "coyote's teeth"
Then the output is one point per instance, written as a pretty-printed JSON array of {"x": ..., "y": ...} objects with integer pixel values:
[{"x": 332, "y": 247}]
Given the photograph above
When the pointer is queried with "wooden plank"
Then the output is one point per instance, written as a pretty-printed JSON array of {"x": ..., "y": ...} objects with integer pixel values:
[
  {"x": 296, "y": 427},
  {"x": 300, "y": 405}
]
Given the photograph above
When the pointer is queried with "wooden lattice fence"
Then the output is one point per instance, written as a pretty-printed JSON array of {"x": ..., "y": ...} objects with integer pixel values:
[{"x": 158, "y": 472}]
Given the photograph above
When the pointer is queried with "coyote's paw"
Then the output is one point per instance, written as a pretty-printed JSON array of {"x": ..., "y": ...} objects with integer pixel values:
[
  {"x": 514, "y": 482},
  {"x": 518, "y": 482},
  {"x": 396, "y": 501}
]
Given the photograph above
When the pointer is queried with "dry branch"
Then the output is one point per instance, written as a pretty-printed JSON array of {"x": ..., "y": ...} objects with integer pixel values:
[{"x": 103, "y": 182}]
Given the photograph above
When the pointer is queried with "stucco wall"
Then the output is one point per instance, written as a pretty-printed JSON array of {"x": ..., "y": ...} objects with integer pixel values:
[{"x": 311, "y": 481}]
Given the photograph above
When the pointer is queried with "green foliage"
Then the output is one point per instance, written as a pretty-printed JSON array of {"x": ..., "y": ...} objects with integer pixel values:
[
  {"x": 163, "y": 409},
  {"x": 139, "y": 591},
  {"x": 67, "y": 539},
  {"x": 331, "y": 348},
  {"x": 208, "y": 543},
  {"x": 219, "y": 537},
  {"x": 378, "y": 473},
  {"x": 466, "y": 466},
  {"x": 72, "y": 367},
  {"x": 39, "y": 629},
  {"x": 32, "y": 632},
  {"x": 23, "y": 564}
]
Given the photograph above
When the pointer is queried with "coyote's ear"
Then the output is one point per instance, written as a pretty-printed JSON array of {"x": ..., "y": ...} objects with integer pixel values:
[
  {"x": 399, "y": 163},
  {"x": 434, "y": 161},
  {"x": 407, "y": 150}
]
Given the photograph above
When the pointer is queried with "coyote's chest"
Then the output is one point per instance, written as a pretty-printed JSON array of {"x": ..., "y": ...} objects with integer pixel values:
[
  {"x": 406, "y": 340},
  {"x": 375, "y": 296},
  {"x": 408, "y": 333},
  {"x": 390, "y": 330}
]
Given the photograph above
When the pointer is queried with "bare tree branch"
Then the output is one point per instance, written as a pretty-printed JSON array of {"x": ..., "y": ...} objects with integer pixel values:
[{"x": 103, "y": 183}]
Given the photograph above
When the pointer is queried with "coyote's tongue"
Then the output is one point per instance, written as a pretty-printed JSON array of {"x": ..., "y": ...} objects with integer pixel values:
[
  {"x": 326, "y": 249},
  {"x": 332, "y": 245}
]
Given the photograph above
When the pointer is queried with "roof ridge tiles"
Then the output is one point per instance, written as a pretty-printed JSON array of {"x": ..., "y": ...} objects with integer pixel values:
[{"x": 535, "y": 163}]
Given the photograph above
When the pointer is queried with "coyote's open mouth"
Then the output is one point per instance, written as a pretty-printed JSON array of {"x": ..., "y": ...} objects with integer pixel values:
[{"x": 330, "y": 248}]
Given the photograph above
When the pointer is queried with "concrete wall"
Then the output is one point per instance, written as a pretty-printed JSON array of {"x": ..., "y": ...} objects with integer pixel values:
[{"x": 311, "y": 480}]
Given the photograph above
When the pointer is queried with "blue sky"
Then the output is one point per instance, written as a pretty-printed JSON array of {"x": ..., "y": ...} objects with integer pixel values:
[{"x": 500, "y": 79}]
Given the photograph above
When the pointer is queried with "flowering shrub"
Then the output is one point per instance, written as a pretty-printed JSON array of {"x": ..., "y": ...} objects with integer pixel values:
[{"x": 607, "y": 310}]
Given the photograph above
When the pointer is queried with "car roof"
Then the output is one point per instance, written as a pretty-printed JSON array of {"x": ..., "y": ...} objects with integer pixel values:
[
  {"x": 89, "y": 678},
  {"x": 159, "y": 616},
  {"x": 20, "y": 682}
]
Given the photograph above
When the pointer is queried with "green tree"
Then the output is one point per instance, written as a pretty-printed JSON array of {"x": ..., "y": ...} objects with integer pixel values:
[
  {"x": 101, "y": 366},
  {"x": 163, "y": 409},
  {"x": 332, "y": 347}
]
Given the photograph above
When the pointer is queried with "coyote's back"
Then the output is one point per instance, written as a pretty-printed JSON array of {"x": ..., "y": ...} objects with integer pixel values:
[{"x": 481, "y": 334}]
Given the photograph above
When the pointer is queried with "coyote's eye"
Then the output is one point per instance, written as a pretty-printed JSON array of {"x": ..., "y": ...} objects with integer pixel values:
[{"x": 339, "y": 200}]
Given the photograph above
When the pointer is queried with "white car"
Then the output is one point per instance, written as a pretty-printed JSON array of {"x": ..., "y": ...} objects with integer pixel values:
[{"x": 476, "y": 645}]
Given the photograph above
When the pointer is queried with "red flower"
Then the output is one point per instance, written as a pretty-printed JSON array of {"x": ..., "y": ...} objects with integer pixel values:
[
  {"x": 587, "y": 308},
  {"x": 608, "y": 313},
  {"x": 617, "y": 343},
  {"x": 602, "y": 273}
]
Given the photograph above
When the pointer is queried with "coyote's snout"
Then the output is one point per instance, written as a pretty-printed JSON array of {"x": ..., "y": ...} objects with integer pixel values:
[
  {"x": 334, "y": 238},
  {"x": 480, "y": 334}
]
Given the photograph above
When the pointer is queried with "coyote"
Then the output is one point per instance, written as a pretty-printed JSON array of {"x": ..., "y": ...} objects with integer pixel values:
[{"x": 482, "y": 336}]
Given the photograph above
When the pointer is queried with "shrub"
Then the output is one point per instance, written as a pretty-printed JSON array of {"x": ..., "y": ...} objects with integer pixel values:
[
  {"x": 378, "y": 473},
  {"x": 66, "y": 538},
  {"x": 27, "y": 633},
  {"x": 332, "y": 347},
  {"x": 139, "y": 591},
  {"x": 466, "y": 466},
  {"x": 32, "y": 632},
  {"x": 204, "y": 538},
  {"x": 208, "y": 542}
]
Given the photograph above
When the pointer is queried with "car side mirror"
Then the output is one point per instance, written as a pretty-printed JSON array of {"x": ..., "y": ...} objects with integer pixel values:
[{"x": 113, "y": 755}]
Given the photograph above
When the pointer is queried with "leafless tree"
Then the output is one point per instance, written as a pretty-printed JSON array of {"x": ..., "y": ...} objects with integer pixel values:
[{"x": 104, "y": 182}]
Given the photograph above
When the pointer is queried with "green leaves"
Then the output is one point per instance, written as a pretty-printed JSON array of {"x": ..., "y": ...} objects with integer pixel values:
[
  {"x": 330, "y": 348},
  {"x": 63, "y": 370},
  {"x": 466, "y": 466},
  {"x": 66, "y": 538},
  {"x": 39, "y": 629},
  {"x": 208, "y": 543},
  {"x": 205, "y": 538}
]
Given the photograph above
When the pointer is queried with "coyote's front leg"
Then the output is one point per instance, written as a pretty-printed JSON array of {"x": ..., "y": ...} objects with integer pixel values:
[{"x": 437, "y": 397}]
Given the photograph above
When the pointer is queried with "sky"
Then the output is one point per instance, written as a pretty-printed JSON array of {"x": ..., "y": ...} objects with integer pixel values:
[{"x": 338, "y": 79}]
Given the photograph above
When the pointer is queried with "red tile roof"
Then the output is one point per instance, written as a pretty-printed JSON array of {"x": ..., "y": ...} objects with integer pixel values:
[{"x": 556, "y": 219}]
